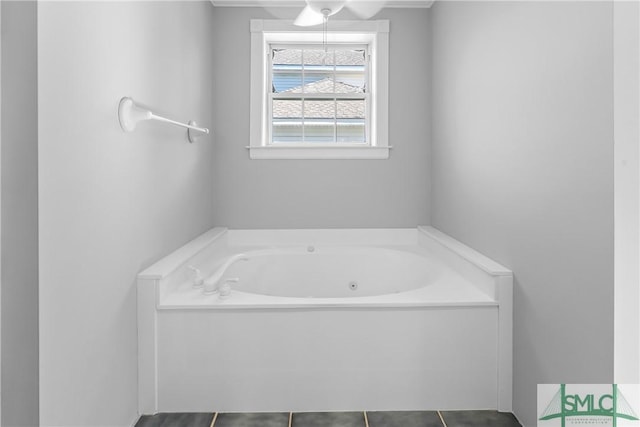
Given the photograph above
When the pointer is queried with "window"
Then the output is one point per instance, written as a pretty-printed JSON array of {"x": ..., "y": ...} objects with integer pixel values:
[
  {"x": 315, "y": 100},
  {"x": 318, "y": 94}
]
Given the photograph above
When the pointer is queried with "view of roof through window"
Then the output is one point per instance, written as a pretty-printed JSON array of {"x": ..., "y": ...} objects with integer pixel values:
[{"x": 318, "y": 95}]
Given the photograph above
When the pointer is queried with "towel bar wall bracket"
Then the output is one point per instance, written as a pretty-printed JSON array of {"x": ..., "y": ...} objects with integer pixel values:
[{"x": 129, "y": 114}]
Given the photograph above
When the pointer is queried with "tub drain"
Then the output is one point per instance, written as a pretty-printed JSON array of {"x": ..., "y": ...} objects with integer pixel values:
[{"x": 353, "y": 286}]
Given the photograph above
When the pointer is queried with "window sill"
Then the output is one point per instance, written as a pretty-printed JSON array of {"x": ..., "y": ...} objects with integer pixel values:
[{"x": 288, "y": 152}]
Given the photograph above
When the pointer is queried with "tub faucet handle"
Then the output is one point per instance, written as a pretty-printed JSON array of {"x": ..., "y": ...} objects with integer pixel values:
[
  {"x": 225, "y": 287},
  {"x": 196, "y": 277}
]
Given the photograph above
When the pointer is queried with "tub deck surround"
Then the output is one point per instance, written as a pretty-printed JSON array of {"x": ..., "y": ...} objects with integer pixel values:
[{"x": 427, "y": 326}]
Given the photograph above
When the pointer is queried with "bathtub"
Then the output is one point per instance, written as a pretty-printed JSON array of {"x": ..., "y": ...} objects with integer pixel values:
[{"x": 378, "y": 319}]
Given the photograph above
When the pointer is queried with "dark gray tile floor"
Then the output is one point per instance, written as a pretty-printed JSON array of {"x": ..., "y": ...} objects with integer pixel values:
[
  {"x": 479, "y": 418},
  {"x": 272, "y": 419},
  {"x": 175, "y": 420},
  {"x": 328, "y": 419},
  {"x": 334, "y": 419},
  {"x": 404, "y": 419}
]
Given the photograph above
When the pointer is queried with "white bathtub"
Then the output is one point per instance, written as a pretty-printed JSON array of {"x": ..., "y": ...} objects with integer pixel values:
[{"x": 384, "y": 319}]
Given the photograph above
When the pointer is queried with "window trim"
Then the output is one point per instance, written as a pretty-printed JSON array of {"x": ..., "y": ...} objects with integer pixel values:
[{"x": 375, "y": 34}]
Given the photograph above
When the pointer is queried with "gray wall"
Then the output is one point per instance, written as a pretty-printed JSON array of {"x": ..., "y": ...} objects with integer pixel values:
[
  {"x": 322, "y": 193},
  {"x": 626, "y": 69},
  {"x": 111, "y": 203},
  {"x": 522, "y": 170},
  {"x": 19, "y": 216}
]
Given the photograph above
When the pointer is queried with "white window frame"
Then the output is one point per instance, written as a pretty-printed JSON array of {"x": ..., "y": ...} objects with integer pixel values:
[{"x": 374, "y": 34}]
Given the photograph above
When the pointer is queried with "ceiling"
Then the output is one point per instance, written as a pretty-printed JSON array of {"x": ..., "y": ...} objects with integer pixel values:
[{"x": 300, "y": 3}]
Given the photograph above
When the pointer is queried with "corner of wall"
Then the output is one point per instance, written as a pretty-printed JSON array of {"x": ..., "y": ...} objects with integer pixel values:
[{"x": 19, "y": 215}]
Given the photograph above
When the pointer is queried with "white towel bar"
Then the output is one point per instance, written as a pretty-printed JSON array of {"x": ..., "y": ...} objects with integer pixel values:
[{"x": 129, "y": 114}]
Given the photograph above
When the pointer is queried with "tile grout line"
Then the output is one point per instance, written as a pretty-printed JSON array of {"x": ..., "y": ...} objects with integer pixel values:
[
  {"x": 366, "y": 419},
  {"x": 290, "y": 418},
  {"x": 213, "y": 421},
  {"x": 441, "y": 419}
]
